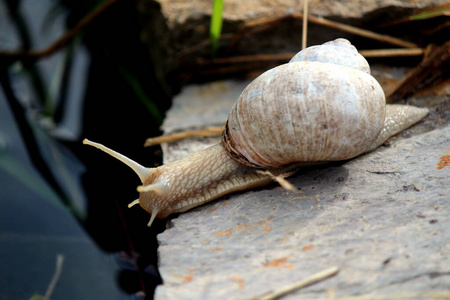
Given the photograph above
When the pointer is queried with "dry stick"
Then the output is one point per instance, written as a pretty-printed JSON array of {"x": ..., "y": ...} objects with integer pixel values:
[
  {"x": 392, "y": 52},
  {"x": 311, "y": 280},
  {"x": 55, "y": 278},
  {"x": 362, "y": 32},
  {"x": 250, "y": 62},
  {"x": 280, "y": 179},
  {"x": 432, "y": 66},
  {"x": 288, "y": 56},
  {"x": 305, "y": 24},
  {"x": 211, "y": 131},
  {"x": 62, "y": 41},
  {"x": 244, "y": 59}
]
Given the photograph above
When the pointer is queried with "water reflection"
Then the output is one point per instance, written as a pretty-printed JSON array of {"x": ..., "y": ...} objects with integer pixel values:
[{"x": 77, "y": 209}]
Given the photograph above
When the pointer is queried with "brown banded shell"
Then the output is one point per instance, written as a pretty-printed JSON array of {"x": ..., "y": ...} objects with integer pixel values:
[{"x": 319, "y": 111}]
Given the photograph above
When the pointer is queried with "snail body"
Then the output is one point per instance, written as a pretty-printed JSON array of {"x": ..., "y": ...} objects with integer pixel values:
[{"x": 321, "y": 106}]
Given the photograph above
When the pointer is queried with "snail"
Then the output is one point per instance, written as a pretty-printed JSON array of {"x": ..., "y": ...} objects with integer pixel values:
[{"x": 321, "y": 106}]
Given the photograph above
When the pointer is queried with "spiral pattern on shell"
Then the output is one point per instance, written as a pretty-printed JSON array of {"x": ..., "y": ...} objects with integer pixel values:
[{"x": 321, "y": 106}]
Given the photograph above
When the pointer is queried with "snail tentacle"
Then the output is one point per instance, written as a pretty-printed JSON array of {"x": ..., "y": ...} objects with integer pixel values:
[
  {"x": 141, "y": 171},
  {"x": 133, "y": 203},
  {"x": 152, "y": 217}
]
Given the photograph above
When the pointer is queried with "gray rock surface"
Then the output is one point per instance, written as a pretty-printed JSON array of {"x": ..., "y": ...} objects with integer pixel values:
[
  {"x": 382, "y": 218},
  {"x": 181, "y": 11}
]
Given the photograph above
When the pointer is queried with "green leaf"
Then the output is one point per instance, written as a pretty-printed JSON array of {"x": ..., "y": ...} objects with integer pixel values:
[{"x": 216, "y": 25}]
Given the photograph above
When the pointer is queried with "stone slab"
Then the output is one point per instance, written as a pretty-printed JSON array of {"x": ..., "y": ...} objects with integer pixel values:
[
  {"x": 181, "y": 12},
  {"x": 382, "y": 218}
]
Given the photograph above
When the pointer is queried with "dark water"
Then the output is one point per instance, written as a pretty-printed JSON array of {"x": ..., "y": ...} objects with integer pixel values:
[{"x": 59, "y": 198}]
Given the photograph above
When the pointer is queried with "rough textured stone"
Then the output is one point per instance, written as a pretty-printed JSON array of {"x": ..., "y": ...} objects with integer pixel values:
[
  {"x": 382, "y": 218},
  {"x": 180, "y": 11}
]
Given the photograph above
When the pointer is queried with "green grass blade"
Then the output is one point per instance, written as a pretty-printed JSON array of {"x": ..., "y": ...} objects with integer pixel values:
[{"x": 216, "y": 25}]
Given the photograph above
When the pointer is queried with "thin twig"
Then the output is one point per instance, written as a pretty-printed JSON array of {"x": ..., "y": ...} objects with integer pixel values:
[
  {"x": 170, "y": 138},
  {"x": 245, "y": 59},
  {"x": 305, "y": 24},
  {"x": 280, "y": 179},
  {"x": 245, "y": 63},
  {"x": 434, "y": 64},
  {"x": 55, "y": 278},
  {"x": 237, "y": 62},
  {"x": 62, "y": 41},
  {"x": 361, "y": 32},
  {"x": 288, "y": 56},
  {"x": 392, "y": 52},
  {"x": 301, "y": 284}
]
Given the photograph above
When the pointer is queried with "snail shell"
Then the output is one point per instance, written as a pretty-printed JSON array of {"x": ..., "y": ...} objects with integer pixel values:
[
  {"x": 321, "y": 110},
  {"x": 321, "y": 106}
]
